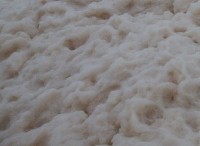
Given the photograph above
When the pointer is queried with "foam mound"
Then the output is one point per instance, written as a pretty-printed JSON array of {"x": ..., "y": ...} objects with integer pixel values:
[{"x": 99, "y": 72}]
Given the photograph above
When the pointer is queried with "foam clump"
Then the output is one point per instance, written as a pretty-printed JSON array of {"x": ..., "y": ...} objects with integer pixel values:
[{"x": 99, "y": 73}]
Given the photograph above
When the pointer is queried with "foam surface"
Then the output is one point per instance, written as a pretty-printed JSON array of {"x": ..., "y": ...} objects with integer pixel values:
[{"x": 99, "y": 73}]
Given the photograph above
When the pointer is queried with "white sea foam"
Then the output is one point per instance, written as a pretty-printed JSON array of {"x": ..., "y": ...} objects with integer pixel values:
[{"x": 99, "y": 73}]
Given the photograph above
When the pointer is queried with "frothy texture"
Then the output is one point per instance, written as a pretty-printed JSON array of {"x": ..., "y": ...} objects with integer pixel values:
[{"x": 99, "y": 73}]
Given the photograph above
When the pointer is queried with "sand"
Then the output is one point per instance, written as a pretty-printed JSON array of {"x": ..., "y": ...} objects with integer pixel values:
[{"x": 99, "y": 73}]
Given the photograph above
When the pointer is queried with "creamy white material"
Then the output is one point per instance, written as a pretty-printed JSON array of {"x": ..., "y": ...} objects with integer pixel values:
[{"x": 99, "y": 72}]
